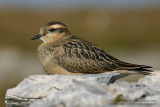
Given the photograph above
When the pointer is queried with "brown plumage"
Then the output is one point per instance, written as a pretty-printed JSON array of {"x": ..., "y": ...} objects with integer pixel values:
[{"x": 63, "y": 53}]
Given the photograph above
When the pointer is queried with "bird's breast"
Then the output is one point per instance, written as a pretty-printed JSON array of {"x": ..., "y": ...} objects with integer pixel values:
[
  {"x": 43, "y": 52},
  {"x": 48, "y": 54}
]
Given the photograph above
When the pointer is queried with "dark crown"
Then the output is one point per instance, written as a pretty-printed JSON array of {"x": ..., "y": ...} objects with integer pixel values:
[{"x": 54, "y": 23}]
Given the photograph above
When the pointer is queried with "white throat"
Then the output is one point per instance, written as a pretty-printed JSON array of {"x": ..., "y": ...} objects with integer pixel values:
[{"x": 42, "y": 40}]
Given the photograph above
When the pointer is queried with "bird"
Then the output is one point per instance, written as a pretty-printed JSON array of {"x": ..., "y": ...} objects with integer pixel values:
[{"x": 63, "y": 53}]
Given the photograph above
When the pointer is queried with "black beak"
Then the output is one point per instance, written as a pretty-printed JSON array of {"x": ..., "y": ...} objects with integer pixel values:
[{"x": 36, "y": 37}]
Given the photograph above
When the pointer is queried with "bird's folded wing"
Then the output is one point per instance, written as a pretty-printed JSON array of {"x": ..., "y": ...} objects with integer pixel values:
[{"x": 83, "y": 57}]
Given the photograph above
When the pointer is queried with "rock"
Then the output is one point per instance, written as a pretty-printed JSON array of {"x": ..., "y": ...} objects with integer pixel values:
[
  {"x": 93, "y": 90},
  {"x": 38, "y": 87}
]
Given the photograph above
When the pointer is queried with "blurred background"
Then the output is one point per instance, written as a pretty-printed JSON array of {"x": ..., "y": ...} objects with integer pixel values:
[{"x": 127, "y": 29}]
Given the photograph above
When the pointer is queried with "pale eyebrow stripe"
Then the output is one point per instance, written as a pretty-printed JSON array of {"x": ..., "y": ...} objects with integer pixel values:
[{"x": 56, "y": 26}]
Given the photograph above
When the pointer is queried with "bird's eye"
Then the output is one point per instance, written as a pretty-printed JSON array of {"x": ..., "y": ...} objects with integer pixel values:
[{"x": 52, "y": 30}]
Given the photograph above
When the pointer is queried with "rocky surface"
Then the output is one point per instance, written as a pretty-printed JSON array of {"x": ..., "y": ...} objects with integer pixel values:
[{"x": 94, "y": 90}]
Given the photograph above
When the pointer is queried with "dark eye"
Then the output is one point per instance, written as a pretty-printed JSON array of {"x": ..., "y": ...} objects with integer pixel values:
[{"x": 52, "y": 30}]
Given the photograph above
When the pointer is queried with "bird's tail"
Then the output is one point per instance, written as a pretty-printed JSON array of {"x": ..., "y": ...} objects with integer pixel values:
[{"x": 134, "y": 67}]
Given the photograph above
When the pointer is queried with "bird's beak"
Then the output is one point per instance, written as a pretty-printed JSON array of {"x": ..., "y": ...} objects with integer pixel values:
[{"x": 36, "y": 37}]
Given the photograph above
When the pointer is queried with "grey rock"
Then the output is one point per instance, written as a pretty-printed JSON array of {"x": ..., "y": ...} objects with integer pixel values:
[
  {"x": 38, "y": 87},
  {"x": 92, "y": 90}
]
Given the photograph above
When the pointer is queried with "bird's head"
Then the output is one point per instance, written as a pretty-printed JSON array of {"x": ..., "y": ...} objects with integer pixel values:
[{"x": 52, "y": 31}]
